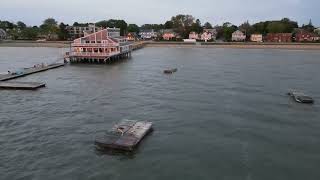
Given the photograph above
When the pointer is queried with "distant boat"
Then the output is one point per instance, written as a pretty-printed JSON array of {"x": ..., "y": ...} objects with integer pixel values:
[
  {"x": 301, "y": 98},
  {"x": 170, "y": 71}
]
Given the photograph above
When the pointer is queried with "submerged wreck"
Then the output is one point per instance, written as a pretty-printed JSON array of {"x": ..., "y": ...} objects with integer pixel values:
[
  {"x": 301, "y": 98},
  {"x": 170, "y": 71},
  {"x": 125, "y": 135}
]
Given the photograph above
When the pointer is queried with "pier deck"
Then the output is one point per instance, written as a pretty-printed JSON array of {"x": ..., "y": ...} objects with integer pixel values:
[
  {"x": 21, "y": 85},
  {"x": 29, "y": 71},
  {"x": 125, "y": 135}
]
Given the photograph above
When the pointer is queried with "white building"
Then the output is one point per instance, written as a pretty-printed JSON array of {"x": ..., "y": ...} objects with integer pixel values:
[
  {"x": 317, "y": 30},
  {"x": 256, "y": 38},
  {"x": 148, "y": 34},
  {"x": 3, "y": 34},
  {"x": 80, "y": 31},
  {"x": 238, "y": 36}
]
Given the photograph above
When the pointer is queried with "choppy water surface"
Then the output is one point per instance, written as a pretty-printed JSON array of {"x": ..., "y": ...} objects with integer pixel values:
[{"x": 223, "y": 115}]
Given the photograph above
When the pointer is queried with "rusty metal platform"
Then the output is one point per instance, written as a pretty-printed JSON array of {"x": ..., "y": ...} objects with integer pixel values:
[{"x": 125, "y": 135}]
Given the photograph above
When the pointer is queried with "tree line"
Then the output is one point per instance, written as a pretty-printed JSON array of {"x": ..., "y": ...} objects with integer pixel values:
[{"x": 50, "y": 29}]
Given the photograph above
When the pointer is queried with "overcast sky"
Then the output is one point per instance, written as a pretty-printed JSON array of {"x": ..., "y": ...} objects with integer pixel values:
[{"x": 33, "y": 12}]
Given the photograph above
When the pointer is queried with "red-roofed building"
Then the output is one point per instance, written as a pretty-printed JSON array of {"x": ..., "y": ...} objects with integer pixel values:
[
  {"x": 279, "y": 37},
  {"x": 99, "y": 46},
  {"x": 305, "y": 36}
]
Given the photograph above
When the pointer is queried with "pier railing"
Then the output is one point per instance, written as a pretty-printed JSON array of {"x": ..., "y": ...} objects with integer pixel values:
[
  {"x": 92, "y": 54},
  {"x": 94, "y": 44}
]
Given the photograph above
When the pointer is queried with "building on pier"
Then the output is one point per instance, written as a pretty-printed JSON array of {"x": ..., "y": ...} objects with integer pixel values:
[{"x": 99, "y": 47}]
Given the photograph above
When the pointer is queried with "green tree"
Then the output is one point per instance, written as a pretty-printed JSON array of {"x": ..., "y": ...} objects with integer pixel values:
[
  {"x": 133, "y": 28},
  {"x": 49, "y": 28},
  {"x": 155, "y": 27},
  {"x": 247, "y": 29},
  {"x": 276, "y": 27},
  {"x": 114, "y": 23},
  {"x": 103, "y": 24},
  {"x": 21, "y": 25},
  {"x": 261, "y": 28},
  {"x": 182, "y": 24},
  {"x": 168, "y": 25},
  {"x": 228, "y": 29},
  {"x": 289, "y": 25},
  {"x": 196, "y": 27},
  {"x": 309, "y": 27},
  {"x": 7, "y": 25},
  {"x": 283, "y": 26},
  {"x": 14, "y": 33},
  {"x": 207, "y": 25},
  {"x": 63, "y": 33},
  {"x": 30, "y": 33}
]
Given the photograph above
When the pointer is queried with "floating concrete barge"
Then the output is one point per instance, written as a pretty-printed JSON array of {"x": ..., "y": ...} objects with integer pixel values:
[
  {"x": 21, "y": 85},
  {"x": 29, "y": 71},
  {"x": 125, "y": 135}
]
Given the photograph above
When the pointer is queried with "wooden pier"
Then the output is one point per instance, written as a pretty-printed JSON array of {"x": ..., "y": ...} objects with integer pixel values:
[
  {"x": 138, "y": 45},
  {"x": 100, "y": 60},
  {"x": 125, "y": 135},
  {"x": 21, "y": 85},
  {"x": 29, "y": 71}
]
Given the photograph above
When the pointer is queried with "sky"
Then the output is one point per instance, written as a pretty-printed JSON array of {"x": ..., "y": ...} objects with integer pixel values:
[{"x": 33, "y": 12}]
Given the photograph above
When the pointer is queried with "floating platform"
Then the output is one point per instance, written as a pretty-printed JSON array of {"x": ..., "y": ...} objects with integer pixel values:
[
  {"x": 125, "y": 135},
  {"x": 29, "y": 71},
  {"x": 21, "y": 85}
]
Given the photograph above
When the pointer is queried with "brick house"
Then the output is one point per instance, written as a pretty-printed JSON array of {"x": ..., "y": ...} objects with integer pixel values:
[
  {"x": 305, "y": 36},
  {"x": 238, "y": 36},
  {"x": 279, "y": 37}
]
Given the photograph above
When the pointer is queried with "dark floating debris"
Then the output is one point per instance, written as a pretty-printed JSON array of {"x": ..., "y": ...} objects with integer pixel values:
[
  {"x": 301, "y": 97},
  {"x": 125, "y": 135},
  {"x": 170, "y": 71}
]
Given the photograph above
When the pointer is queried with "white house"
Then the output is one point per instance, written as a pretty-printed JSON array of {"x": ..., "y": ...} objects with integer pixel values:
[
  {"x": 238, "y": 36},
  {"x": 148, "y": 34},
  {"x": 256, "y": 38},
  {"x": 3, "y": 34},
  {"x": 317, "y": 31}
]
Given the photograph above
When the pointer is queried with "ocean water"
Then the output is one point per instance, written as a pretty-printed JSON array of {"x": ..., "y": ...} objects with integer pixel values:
[{"x": 224, "y": 115}]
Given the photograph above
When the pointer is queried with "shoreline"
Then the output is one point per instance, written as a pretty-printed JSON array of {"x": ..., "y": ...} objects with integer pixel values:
[
  {"x": 226, "y": 45},
  {"x": 53, "y": 44},
  {"x": 235, "y": 45}
]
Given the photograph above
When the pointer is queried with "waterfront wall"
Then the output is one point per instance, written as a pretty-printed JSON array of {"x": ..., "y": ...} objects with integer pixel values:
[{"x": 141, "y": 44}]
